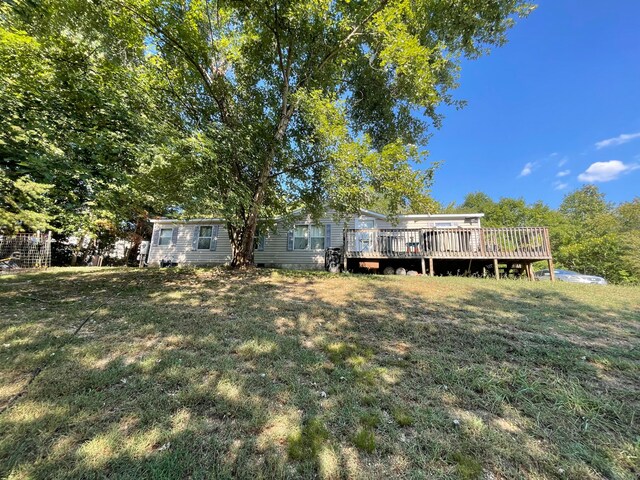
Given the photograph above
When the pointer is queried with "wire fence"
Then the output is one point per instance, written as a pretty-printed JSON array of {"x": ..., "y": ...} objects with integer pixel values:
[{"x": 25, "y": 250}]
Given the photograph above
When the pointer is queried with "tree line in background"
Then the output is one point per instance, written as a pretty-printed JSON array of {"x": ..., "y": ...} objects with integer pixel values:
[{"x": 587, "y": 233}]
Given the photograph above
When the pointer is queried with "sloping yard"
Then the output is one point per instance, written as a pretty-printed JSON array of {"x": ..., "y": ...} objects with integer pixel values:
[{"x": 208, "y": 374}]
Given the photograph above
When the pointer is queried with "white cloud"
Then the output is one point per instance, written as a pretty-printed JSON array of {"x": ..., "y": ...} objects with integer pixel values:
[
  {"x": 606, "y": 171},
  {"x": 531, "y": 167},
  {"x": 560, "y": 185},
  {"x": 619, "y": 140},
  {"x": 563, "y": 173},
  {"x": 527, "y": 169}
]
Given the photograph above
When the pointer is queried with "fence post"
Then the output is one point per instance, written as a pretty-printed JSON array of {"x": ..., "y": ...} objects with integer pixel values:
[
  {"x": 48, "y": 250},
  {"x": 344, "y": 249}
]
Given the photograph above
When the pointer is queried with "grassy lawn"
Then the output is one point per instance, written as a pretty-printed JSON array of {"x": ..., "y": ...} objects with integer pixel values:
[{"x": 208, "y": 374}]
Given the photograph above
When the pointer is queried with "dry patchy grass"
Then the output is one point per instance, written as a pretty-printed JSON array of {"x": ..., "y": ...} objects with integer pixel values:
[{"x": 269, "y": 374}]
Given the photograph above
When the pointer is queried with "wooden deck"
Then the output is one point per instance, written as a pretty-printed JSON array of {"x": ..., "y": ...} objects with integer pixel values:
[{"x": 527, "y": 244}]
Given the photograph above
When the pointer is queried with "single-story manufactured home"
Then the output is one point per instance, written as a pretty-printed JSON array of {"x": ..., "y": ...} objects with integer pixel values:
[
  {"x": 433, "y": 243},
  {"x": 301, "y": 245}
]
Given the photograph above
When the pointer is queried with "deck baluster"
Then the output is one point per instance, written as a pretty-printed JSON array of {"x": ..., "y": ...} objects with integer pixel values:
[{"x": 519, "y": 243}]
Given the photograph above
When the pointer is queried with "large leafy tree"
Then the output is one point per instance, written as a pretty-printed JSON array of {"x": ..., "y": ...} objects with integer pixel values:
[
  {"x": 507, "y": 212},
  {"x": 309, "y": 103},
  {"x": 74, "y": 116},
  {"x": 629, "y": 216},
  {"x": 258, "y": 106}
]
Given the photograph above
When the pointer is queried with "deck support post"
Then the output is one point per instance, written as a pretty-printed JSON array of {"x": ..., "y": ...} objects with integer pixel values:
[
  {"x": 496, "y": 269},
  {"x": 530, "y": 272},
  {"x": 431, "y": 266},
  {"x": 552, "y": 273},
  {"x": 422, "y": 264}
]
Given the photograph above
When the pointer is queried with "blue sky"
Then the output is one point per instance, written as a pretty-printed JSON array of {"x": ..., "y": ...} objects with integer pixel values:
[{"x": 556, "y": 107}]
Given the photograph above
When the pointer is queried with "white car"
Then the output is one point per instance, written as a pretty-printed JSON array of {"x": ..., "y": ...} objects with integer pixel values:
[{"x": 569, "y": 276}]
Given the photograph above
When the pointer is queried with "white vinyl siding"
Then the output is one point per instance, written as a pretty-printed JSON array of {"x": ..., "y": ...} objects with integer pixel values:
[
  {"x": 277, "y": 253},
  {"x": 185, "y": 251},
  {"x": 272, "y": 248}
]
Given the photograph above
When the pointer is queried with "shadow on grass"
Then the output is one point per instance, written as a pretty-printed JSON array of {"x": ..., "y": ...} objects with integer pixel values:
[{"x": 207, "y": 374}]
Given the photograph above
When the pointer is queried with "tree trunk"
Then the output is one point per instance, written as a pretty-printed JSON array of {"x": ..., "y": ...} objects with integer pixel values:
[
  {"x": 242, "y": 245},
  {"x": 242, "y": 241},
  {"x": 137, "y": 238}
]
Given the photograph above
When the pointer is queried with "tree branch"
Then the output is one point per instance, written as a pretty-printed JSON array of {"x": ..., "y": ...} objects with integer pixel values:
[
  {"x": 336, "y": 49},
  {"x": 153, "y": 25},
  {"x": 297, "y": 168}
]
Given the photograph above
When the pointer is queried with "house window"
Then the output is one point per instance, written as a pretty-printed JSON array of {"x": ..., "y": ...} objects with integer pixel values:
[
  {"x": 365, "y": 223},
  {"x": 308, "y": 237},
  {"x": 204, "y": 238},
  {"x": 301, "y": 237},
  {"x": 444, "y": 224},
  {"x": 166, "y": 235},
  {"x": 258, "y": 240},
  {"x": 317, "y": 237}
]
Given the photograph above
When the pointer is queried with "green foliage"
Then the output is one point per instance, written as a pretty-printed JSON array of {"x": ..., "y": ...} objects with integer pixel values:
[
  {"x": 75, "y": 117},
  {"x": 597, "y": 255},
  {"x": 267, "y": 117},
  {"x": 587, "y": 233},
  {"x": 584, "y": 205},
  {"x": 598, "y": 237},
  {"x": 24, "y": 205},
  {"x": 507, "y": 212},
  {"x": 256, "y": 108}
]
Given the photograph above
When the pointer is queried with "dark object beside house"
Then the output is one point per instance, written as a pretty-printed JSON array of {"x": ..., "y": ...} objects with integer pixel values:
[
  {"x": 332, "y": 259},
  {"x": 168, "y": 263}
]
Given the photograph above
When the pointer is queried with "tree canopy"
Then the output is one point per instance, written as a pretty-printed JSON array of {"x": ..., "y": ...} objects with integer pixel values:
[
  {"x": 256, "y": 107},
  {"x": 587, "y": 233},
  {"x": 74, "y": 118}
]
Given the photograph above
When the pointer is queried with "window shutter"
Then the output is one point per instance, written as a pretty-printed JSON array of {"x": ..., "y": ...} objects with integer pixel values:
[
  {"x": 214, "y": 237},
  {"x": 261, "y": 239},
  {"x": 196, "y": 235},
  {"x": 290, "y": 240},
  {"x": 155, "y": 236},
  {"x": 174, "y": 236},
  {"x": 327, "y": 235}
]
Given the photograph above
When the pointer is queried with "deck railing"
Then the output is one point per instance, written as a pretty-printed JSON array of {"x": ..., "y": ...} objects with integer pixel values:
[{"x": 501, "y": 243}]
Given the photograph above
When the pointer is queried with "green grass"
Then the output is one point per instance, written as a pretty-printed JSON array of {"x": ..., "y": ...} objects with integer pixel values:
[
  {"x": 365, "y": 440},
  {"x": 270, "y": 374},
  {"x": 402, "y": 417},
  {"x": 371, "y": 420},
  {"x": 307, "y": 443}
]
